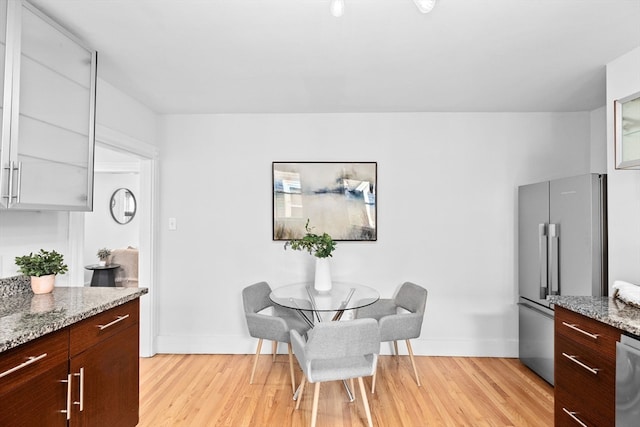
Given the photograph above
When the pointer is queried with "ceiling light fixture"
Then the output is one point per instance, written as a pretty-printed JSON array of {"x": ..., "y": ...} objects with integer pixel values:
[
  {"x": 337, "y": 8},
  {"x": 425, "y": 6}
]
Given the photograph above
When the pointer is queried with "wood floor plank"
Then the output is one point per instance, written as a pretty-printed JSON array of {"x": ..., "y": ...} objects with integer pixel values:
[{"x": 214, "y": 390}]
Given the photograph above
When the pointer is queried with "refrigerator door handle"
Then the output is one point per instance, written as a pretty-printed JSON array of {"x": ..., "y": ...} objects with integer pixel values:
[
  {"x": 554, "y": 261},
  {"x": 542, "y": 260}
]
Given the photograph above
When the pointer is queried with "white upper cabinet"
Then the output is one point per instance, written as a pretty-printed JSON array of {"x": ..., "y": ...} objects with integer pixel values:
[
  {"x": 48, "y": 113},
  {"x": 627, "y": 132}
]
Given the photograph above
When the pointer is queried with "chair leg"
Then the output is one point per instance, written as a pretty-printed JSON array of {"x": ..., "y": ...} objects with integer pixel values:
[
  {"x": 413, "y": 362},
  {"x": 255, "y": 360},
  {"x": 293, "y": 376},
  {"x": 365, "y": 402},
  {"x": 352, "y": 385},
  {"x": 302, "y": 383},
  {"x": 274, "y": 350},
  {"x": 314, "y": 411},
  {"x": 373, "y": 381},
  {"x": 395, "y": 347}
]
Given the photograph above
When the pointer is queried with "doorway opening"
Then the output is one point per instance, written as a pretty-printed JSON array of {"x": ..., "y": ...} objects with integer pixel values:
[{"x": 121, "y": 162}]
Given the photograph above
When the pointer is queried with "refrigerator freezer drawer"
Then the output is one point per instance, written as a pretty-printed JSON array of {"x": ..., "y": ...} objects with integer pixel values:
[
  {"x": 536, "y": 339},
  {"x": 627, "y": 382}
]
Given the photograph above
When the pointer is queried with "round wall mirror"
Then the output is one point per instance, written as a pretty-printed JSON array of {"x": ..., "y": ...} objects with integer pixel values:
[{"x": 123, "y": 206}]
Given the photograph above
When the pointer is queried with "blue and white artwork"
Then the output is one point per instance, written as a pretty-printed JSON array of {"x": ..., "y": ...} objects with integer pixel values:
[{"x": 338, "y": 198}]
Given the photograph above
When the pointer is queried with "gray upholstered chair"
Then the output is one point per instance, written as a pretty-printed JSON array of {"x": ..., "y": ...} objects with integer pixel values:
[
  {"x": 274, "y": 327},
  {"x": 399, "y": 318},
  {"x": 337, "y": 351}
]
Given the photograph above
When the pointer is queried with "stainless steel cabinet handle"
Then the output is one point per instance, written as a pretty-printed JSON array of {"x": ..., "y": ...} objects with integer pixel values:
[
  {"x": 81, "y": 401},
  {"x": 573, "y": 415},
  {"x": 30, "y": 360},
  {"x": 10, "y": 195},
  {"x": 119, "y": 319},
  {"x": 554, "y": 264},
  {"x": 542, "y": 260},
  {"x": 68, "y": 410},
  {"x": 575, "y": 328},
  {"x": 575, "y": 360},
  {"x": 19, "y": 186}
]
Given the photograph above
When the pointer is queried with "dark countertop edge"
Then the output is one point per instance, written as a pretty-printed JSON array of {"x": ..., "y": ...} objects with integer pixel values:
[
  {"x": 70, "y": 320},
  {"x": 594, "y": 311}
]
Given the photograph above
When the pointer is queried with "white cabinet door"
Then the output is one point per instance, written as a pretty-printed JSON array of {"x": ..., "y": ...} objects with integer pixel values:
[{"x": 50, "y": 161}]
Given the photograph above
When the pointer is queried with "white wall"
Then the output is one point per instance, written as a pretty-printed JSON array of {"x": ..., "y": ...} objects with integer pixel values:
[
  {"x": 119, "y": 112},
  {"x": 598, "y": 135},
  {"x": 623, "y": 79},
  {"x": 447, "y": 185},
  {"x": 24, "y": 232}
]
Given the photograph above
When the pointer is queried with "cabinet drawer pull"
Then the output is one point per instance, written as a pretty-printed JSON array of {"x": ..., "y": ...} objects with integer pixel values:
[
  {"x": 30, "y": 360},
  {"x": 575, "y": 328},
  {"x": 573, "y": 415},
  {"x": 68, "y": 410},
  {"x": 81, "y": 401},
  {"x": 119, "y": 319},
  {"x": 575, "y": 360}
]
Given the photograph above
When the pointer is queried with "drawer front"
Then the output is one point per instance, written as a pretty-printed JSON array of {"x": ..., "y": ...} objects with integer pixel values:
[
  {"x": 590, "y": 376},
  {"x": 587, "y": 332},
  {"x": 23, "y": 363},
  {"x": 571, "y": 411},
  {"x": 37, "y": 402},
  {"x": 95, "y": 329}
]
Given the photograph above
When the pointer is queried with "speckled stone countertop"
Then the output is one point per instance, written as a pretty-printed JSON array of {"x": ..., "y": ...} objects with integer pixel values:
[
  {"x": 607, "y": 310},
  {"x": 25, "y": 316}
]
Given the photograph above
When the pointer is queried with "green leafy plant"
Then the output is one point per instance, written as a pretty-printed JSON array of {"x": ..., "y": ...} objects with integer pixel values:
[
  {"x": 41, "y": 264},
  {"x": 318, "y": 245},
  {"x": 103, "y": 254}
]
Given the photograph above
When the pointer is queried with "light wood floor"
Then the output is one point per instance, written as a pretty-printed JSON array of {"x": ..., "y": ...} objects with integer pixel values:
[{"x": 214, "y": 390}]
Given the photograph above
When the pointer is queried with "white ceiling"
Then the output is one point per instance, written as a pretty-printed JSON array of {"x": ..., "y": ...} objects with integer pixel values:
[{"x": 290, "y": 56}]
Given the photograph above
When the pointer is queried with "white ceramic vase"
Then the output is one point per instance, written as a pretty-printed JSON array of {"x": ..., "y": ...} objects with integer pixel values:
[
  {"x": 322, "y": 281},
  {"x": 43, "y": 284}
]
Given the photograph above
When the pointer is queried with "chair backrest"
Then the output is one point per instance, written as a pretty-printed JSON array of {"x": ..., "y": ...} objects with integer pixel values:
[
  {"x": 412, "y": 297},
  {"x": 334, "y": 340},
  {"x": 256, "y": 297},
  {"x": 127, "y": 273}
]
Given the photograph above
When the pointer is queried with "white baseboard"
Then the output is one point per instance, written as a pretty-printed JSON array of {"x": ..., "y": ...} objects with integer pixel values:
[{"x": 421, "y": 347}]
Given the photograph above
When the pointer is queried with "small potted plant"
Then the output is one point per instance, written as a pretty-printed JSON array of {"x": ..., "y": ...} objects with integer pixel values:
[
  {"x": 103, "y": 254},
  {"x": 42, "y": 267},
  {"x": 321, "y": 246}
]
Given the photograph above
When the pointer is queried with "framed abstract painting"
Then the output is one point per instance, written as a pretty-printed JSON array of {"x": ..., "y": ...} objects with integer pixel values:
[{"x": 338, "y": 198}]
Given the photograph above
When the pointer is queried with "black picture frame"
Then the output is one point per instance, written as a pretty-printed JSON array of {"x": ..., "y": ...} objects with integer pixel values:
[{"x": 338, "y": 198}]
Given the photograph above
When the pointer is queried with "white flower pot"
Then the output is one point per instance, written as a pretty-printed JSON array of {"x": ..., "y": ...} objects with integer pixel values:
[
  {"x": 322, "y": 281},
  {"x": 43, "y": 284}
]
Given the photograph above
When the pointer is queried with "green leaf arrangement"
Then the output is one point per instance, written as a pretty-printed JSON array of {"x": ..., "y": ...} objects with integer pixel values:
[
  {"x": 318, "y": 245},
  {"x": 41, "y": 264}
]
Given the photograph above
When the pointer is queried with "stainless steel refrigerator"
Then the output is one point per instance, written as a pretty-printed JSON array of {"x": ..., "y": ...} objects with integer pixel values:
[{"x": 562, "y": 250}]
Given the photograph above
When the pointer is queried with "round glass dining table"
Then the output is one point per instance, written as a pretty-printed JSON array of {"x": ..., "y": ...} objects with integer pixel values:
[
  {"x": 310, "y": 303},
  {"x": 342, "y": 296}
]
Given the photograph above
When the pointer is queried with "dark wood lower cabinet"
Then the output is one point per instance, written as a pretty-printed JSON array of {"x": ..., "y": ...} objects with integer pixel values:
[
  {"x": 110, "y": 374},
  {"x": 585, "y": 367},
  {"x": 84, "y": 375},
  {"x": 37, "y": 402}
]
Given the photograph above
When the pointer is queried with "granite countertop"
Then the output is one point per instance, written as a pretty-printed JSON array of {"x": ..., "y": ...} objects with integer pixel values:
[
  {"x": 607, "y": 310},
  {"x": 25, "y": 316}
]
